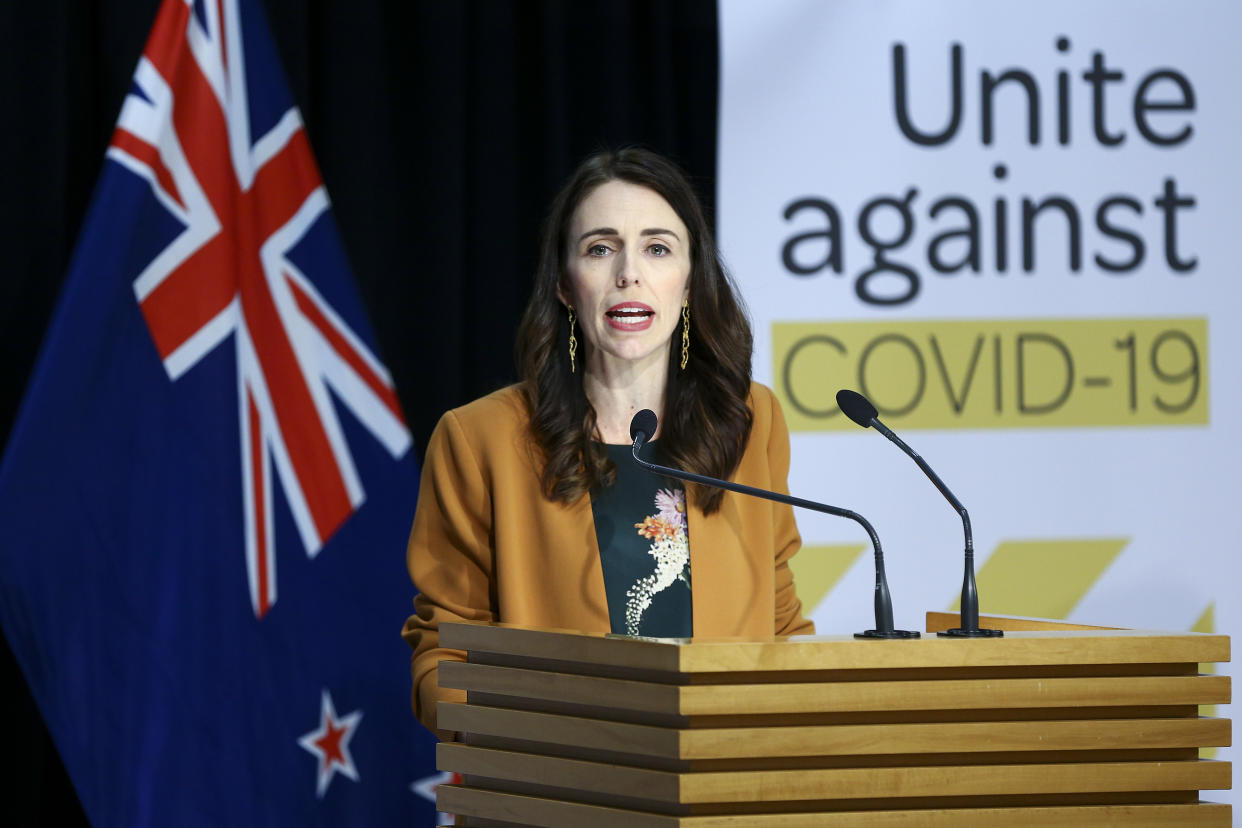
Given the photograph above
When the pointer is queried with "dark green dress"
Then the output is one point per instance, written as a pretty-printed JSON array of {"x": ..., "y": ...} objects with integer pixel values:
[{"x": 640, "y": 523}]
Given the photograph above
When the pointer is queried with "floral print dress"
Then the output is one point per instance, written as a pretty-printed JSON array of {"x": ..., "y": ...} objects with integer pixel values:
[{"x": 640, "y": 523}]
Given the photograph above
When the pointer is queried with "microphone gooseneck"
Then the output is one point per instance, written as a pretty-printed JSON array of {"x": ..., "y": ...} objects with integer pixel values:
[
  {"x": 643, "y": 426},
  {"x": 859, "y": 409}
]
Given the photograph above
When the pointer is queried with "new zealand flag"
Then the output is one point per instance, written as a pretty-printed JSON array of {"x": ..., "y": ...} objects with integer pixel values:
[{"x": 205, "y": 499}]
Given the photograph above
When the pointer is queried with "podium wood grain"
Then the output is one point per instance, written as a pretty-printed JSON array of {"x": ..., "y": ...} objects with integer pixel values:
[
  {"x": 504, "y": 809},
  {"x": 854, "y": 739},
  {"x": 837, "y": 697},
  {"x": 1053, "y": 724}
]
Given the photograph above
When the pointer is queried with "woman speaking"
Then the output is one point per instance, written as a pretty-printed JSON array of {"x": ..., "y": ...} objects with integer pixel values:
[{"x": 531, "y": 511}]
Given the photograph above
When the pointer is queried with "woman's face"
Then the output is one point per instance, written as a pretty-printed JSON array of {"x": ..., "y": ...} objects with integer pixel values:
[{"x": 629, "y": 273}]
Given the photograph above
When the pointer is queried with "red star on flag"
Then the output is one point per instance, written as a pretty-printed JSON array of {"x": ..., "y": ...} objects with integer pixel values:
[{"x": 330, "y": 744}]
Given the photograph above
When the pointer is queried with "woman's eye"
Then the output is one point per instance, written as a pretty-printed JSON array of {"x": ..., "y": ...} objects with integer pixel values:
[
  {"x": 598, "y": 250},
  {"x": 659, "y": 250}
]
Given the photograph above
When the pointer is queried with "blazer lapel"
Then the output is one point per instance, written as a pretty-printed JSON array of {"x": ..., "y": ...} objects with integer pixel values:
[
  {"x": 580, "y": 576},
  {"x": 724, "y": 587}
]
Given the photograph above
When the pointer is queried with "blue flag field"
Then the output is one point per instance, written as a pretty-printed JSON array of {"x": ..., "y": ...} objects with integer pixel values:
[{"x": 207, "y": 492}]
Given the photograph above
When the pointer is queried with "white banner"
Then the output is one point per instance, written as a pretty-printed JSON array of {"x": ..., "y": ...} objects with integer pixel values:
[{"x": 1013, "y": 227}]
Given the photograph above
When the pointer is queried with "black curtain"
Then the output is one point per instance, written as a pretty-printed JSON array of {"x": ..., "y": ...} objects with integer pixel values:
[{"x": 442, "y": 130}]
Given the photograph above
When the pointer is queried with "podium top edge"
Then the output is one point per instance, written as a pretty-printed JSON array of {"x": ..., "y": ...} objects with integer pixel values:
[{"x": 837, "y": 652}]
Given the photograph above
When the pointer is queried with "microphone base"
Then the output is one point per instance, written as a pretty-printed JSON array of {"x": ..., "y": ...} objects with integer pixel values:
[
  {"x": 959, "y": 632},
  {"x": 888, "y": 634}
]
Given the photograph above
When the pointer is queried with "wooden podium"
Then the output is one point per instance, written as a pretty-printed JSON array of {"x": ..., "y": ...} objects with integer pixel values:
[{"x": 1053, "y": 724}]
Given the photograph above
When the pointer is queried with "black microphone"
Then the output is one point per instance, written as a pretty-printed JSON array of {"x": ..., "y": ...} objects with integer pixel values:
[
  {"x": 859, "y": 409},
  {"x": 643, "y": 427}
]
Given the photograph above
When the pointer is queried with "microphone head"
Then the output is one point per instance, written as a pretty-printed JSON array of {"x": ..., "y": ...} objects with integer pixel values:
[
  {"x": 645, "y": 422},
  {"x": 857, "y": 407}
]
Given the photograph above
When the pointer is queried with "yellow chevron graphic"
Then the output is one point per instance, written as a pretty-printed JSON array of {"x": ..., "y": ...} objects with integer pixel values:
[
  {"x": 1042, "y": 578},
  {"x": 1207, "y": 624},
  {"x": 817, "y": 569}
]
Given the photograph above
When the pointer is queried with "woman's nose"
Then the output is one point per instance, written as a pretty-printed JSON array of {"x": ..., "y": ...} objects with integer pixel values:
[{"x": 627, "y": 272}]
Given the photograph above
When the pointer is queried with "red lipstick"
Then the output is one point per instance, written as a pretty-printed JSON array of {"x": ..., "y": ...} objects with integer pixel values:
[{"x": 630, "y": 316}]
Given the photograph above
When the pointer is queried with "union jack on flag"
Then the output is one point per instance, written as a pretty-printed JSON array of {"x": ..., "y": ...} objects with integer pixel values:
[
  {"x": 247, "y": 193},
  {"x": 208, "y": 395}
]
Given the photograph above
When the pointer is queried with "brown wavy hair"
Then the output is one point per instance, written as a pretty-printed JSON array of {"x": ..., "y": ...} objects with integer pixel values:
[{"x": 706, "y": 420}]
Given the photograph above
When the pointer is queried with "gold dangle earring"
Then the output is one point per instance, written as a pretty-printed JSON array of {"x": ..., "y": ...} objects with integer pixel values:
[
  {"x": 573, "y": 340},
  {"x": 685, "y": 334}
]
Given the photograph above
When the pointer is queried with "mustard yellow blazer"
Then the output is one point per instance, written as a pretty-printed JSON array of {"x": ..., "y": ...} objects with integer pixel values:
[{"x": 486, "y": 545}]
